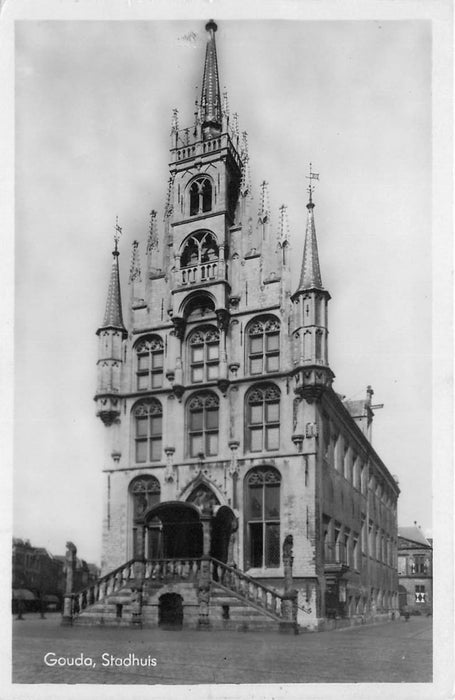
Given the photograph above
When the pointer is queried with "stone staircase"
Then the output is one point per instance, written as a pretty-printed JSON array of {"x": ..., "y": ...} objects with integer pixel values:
[{"x": 236, "y": 601}]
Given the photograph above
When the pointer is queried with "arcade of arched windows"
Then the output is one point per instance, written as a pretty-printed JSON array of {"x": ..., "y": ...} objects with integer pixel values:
[
  {"x": 200, "y": 196},
  {"x": 199, "y": 248}
]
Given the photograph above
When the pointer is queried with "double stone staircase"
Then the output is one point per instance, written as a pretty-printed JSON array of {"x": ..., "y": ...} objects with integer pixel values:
[{"x": 208, "y": 593}]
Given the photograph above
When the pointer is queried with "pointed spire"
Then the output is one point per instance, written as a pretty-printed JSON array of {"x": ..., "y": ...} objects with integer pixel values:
[
  {"x": 113, "y": 317},
  {"x": 210, "y": 97},
  {"x": 135, "y": 269},
  {"x": 310, "y": 276}
]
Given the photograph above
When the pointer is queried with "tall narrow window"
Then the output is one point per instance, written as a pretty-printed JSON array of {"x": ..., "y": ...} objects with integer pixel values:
[
  {"x": 148, "y": 417},
  {"x": 200, "y": 196},
  {"x": 263, "y": 345},
  {"x": 202, "y": 417},
  {"x": 263, "y": 418},
  {"x": 145, "y": 492},
  {"x": 262, "y": 512},
  {"x": 204, "y": 350},
  {"x": 149, "y": 357}
]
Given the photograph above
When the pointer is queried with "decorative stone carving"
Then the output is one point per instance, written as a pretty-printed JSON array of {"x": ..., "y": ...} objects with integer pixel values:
[
  {"x": 179, "y": 327},
  {"x": 169, "y": 472},
  {"x": 311, "y": 430},
  {"x": 233, "y": 467},
  {"x": 222, "y": 317}
]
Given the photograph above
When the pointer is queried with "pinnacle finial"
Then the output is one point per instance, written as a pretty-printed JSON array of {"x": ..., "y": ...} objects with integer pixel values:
[
  {"x": 211, "y": 26},
  {"x": 117, "y": 234},
  {"x": 135, "y": 269},
  {"x": 310, "y": 189},
  {"x": 152, "y": 243},
  {"x": 264, "y": 207}
]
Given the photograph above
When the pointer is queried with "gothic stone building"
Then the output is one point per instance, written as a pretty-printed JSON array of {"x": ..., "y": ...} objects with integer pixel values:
[{"x": 227, "y": 444}]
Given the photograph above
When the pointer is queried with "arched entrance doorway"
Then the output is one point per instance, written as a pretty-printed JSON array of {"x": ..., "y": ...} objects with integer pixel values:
[
  {"x": 173, "y": 531},
  {"x": 170, "y": 611},
  {"x": 224, "y": 523}
]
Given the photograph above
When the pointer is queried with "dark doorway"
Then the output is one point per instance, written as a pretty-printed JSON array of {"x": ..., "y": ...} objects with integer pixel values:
[
  {"x": 402, "y": 597},
  {"x": 223, "y": 524},
  {"x": 170, "y": 611},
  {"x": 175, "y": 531}
]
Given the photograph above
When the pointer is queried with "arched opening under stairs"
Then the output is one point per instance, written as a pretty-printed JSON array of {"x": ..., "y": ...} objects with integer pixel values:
[{"x": 170, "y": 611}]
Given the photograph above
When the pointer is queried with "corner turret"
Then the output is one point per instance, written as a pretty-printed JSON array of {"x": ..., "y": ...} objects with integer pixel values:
[
  {"x": 310, "y": 336},
  {"x": 111, "y": 336}
]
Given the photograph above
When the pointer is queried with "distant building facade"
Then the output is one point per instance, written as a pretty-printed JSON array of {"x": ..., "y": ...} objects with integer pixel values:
[
  {"x": 415, "y": 571},
  {"x": 38, "y": 577},
  {"x": 226, "y": 439}
]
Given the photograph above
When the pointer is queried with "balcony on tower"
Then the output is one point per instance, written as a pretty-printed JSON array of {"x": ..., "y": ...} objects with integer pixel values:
[
  {"x": 201, "y": 261},
  {"x": 190, "y": 143}
]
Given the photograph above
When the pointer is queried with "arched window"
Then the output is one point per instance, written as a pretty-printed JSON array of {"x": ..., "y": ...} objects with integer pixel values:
[
  {"x": 202, "y": 420},
  {"x": 200, "y": 196},
  {"x": 263, "y": 345},
  {"x": 145, "y": 491},
  {"x": 149, "y": 359},
  {"x": 148, "y": 418},
  {"x": 263, "y": 418},
  {"x": 199, "y": 248},
  {"x": 204, "y": 354},
  {"x": 262, "y": 514}
]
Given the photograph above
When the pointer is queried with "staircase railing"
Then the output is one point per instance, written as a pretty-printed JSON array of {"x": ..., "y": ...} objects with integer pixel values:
[
  {"x": 249, "y": 588},
  {"x": 165, "y": 569},
  {"x": 186, "y": 569},
  {"x": 106, "y": 585}
]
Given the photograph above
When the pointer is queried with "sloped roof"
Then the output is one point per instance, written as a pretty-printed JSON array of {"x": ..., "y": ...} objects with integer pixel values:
[{"x": 414, "y": 534}]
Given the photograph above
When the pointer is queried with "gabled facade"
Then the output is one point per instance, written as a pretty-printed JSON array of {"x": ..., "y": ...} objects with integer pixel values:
[{"x": 225, "y": 438}]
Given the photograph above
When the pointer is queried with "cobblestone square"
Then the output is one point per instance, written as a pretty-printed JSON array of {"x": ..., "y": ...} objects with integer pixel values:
[{"x": 393, "y": 652}]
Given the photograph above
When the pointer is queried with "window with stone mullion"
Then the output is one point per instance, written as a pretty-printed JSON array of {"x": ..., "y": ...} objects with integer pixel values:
[
  {"x": 149, "y": 365},
  {"x": 263, "y": 421},
  {"x": 148, "y": 437},
  {"x": 203, "y": 427},
  {"x": 264, "y": 347},
  {"x": 204, "y": 355},
  {"x": 263, "y": 517}
]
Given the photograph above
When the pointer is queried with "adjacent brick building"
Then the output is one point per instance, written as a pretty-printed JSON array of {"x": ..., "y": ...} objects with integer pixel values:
[{"x": 225, "y": 435}]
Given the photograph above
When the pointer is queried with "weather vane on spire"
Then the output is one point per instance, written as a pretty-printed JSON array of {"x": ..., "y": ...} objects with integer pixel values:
[
  {"x": 117, "y": 234},
  {"x": 310, "y": 177}
]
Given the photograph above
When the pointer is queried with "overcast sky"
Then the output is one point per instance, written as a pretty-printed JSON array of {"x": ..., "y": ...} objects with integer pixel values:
[{"x": 93, "y": 111}]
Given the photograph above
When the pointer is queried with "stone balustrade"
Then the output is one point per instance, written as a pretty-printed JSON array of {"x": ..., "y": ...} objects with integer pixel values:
[{"x": 197, "y": 274}]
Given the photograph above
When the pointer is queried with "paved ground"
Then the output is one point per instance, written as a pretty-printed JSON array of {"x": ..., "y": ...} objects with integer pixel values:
[{"x": 391, "y": 652}]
